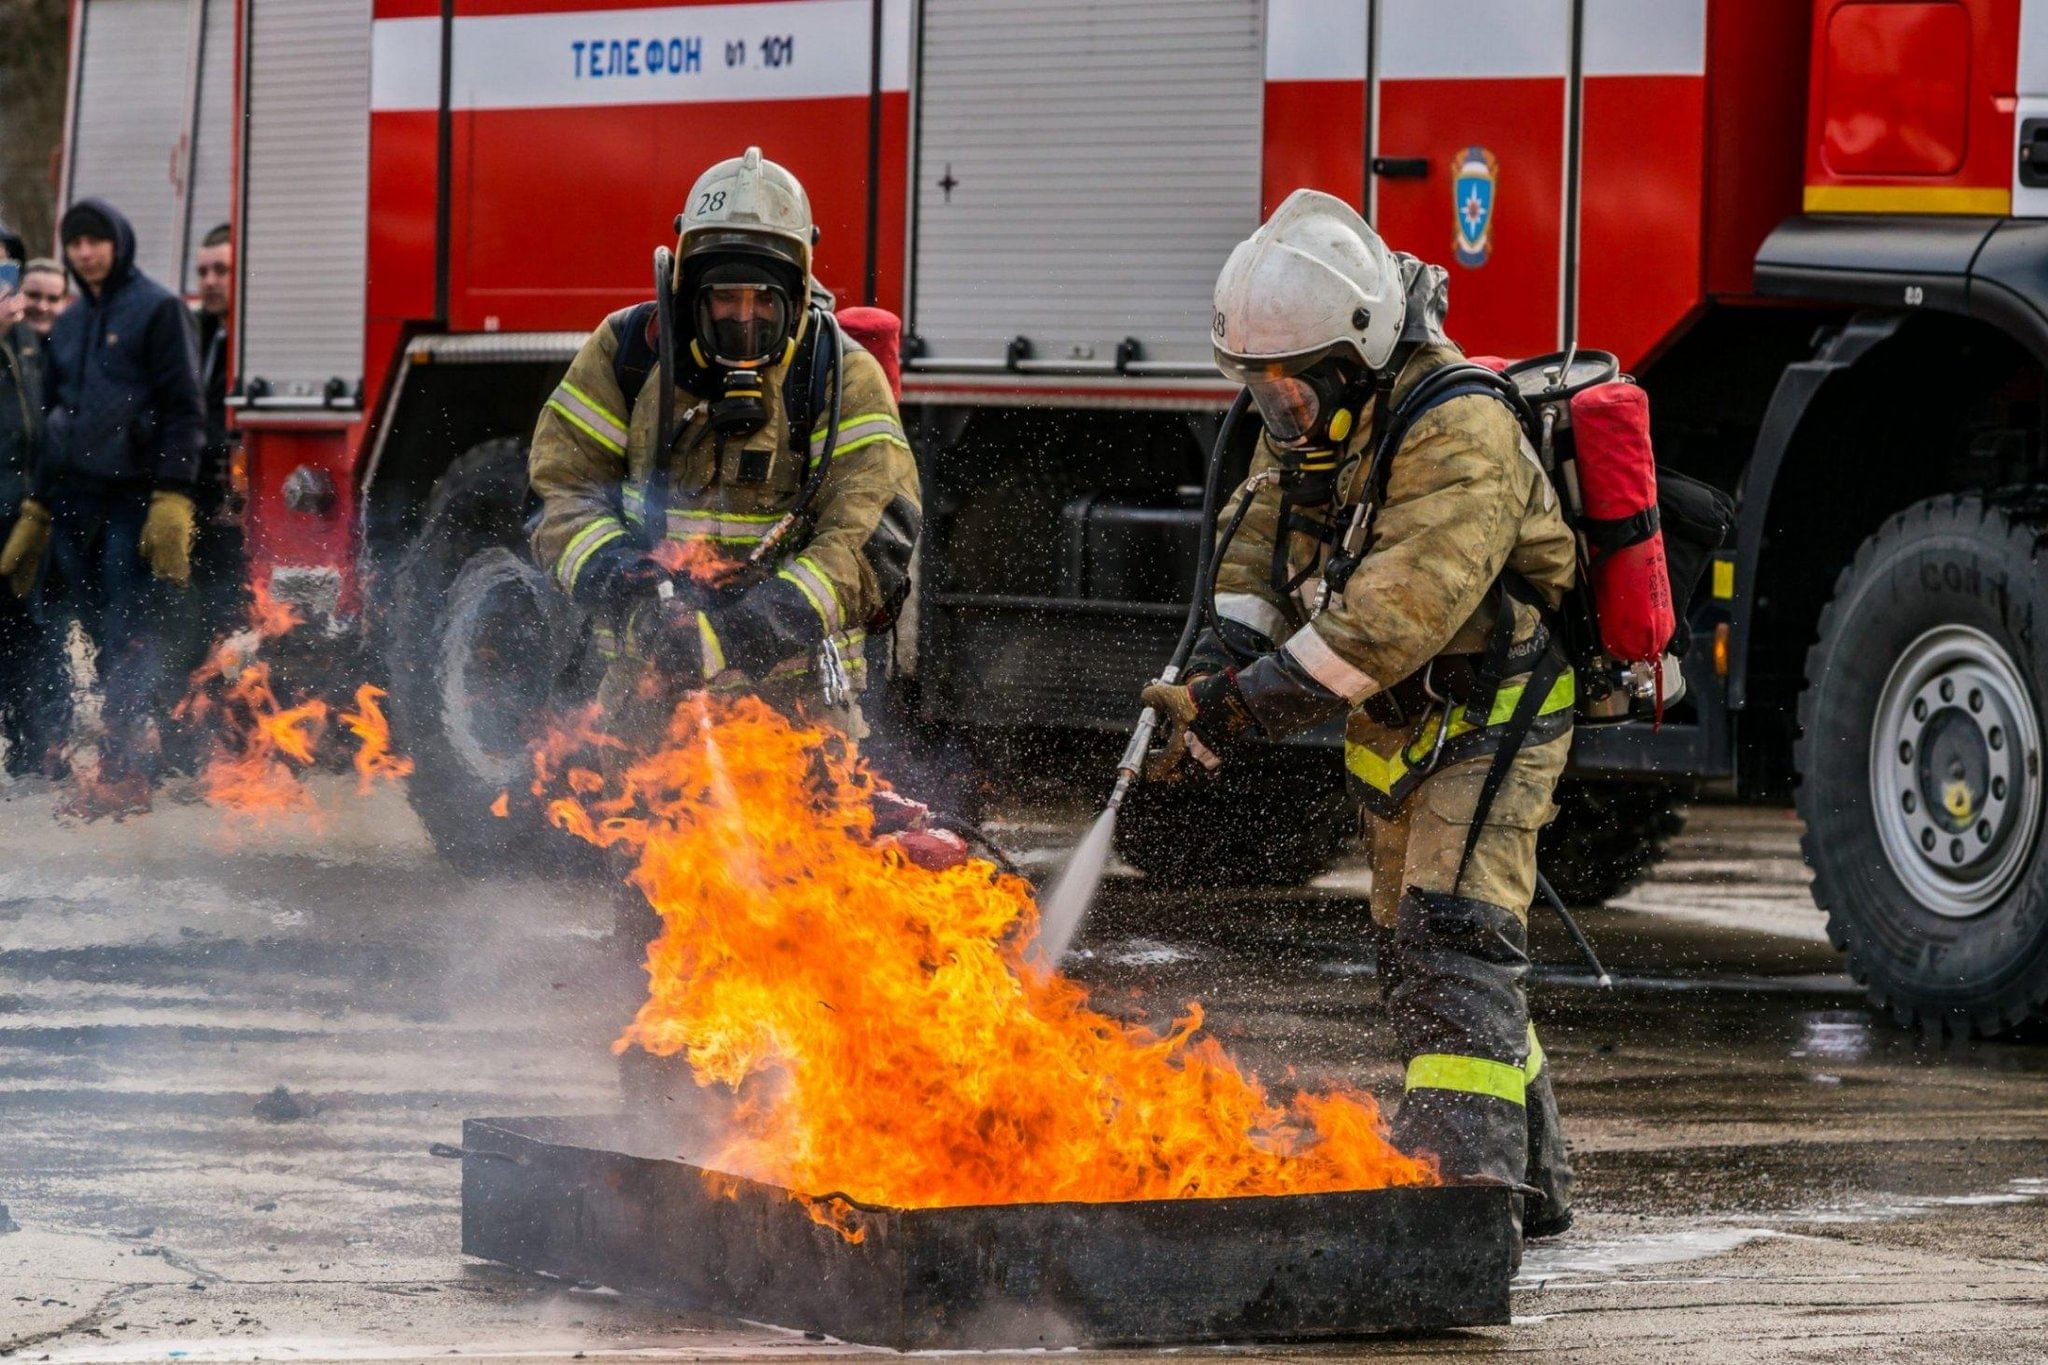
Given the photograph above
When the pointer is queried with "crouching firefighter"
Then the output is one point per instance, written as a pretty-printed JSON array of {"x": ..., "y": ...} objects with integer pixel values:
[
  {"x": 1396, "y": 554},
  {"x": 724, "y": 476}
]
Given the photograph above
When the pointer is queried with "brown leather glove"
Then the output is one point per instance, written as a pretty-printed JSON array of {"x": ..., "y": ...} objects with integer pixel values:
[
  {"x": 1207, "y": 721},
  {"x": 22, "y": 560},
  {"x": 167, "y": 536}
]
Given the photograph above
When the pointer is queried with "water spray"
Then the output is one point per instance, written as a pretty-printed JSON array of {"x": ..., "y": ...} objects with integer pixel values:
[{"x": 1065, "y": 906}]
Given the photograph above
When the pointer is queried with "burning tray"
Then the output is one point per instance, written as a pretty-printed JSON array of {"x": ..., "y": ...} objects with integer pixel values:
[{"x": 604, "y": 1199}]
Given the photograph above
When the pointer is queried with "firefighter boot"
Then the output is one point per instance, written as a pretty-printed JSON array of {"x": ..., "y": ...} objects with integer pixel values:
[
  {"x": 1550, "y": 1162},
  {"x": 1461, "y": 1020}
]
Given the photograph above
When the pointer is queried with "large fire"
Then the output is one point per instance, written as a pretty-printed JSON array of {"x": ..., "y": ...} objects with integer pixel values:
[{"x": 895, "y": 1038}]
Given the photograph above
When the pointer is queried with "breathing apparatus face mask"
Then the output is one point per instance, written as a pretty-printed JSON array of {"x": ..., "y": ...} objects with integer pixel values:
[
  {"x": 744, "y": 322},
  {"x": 1309, "y": 415}
]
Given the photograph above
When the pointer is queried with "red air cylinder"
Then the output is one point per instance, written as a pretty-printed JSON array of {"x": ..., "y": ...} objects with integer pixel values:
[
  {"x": 880, "y": 332},
  {"x": 1618, "y": 489}
]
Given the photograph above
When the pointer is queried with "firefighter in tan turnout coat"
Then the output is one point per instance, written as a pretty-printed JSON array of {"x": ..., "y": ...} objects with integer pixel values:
[
  {"x": 1429, "y": 630},
  {"x": 783, "y": 483}
]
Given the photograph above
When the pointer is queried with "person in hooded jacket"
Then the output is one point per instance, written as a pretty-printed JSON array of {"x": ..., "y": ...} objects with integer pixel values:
[
  {"x": 111, "y": 502},
  {"x": 34, "y": 681}
]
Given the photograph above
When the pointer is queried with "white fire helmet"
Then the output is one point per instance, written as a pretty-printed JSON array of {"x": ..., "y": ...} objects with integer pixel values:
[
  {"x": 1313, "y": 281},
  {"x": 748, "y": 204}
]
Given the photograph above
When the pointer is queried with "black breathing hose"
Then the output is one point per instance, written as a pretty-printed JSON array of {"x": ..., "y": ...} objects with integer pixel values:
[
  {"x": 1206, "y": 555},
  {"x": 815, "y": 480}
]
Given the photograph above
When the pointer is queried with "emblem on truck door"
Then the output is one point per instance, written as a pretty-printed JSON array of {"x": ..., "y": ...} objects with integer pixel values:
[{"x": 1473, "y": 173}]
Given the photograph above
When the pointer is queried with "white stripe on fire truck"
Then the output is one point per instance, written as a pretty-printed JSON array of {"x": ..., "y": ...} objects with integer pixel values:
[
  {"x": 1476, "y": 39},
  {"x": 1315, "y": 40},
  {"x": 678, "y": 54},
  {"x": 1497, "y": 39},
  {"x": 1646, "y": 38}
]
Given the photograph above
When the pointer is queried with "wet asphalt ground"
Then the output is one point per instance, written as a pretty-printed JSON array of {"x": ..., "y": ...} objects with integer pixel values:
[{"x": 1767, "y": 1171}]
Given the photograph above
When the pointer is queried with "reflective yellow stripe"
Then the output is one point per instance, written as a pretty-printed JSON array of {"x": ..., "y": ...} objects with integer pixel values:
[
  {"x": 1469, "y": 1075},
  {"x": 830, "y": 619},
  {"x": 1993, "y": 202},
  {"x": 1382, "y": 773},
  {"x": 596, "y": 413},
  {"x": 1534, "y": 1066},
  {"x": 586, "y": 428},
  {"x": 866, "y": 425},
  {"x": 586, "y": 543},
  {"x": 714, "y": 652},
  {"x": 848, "y": 447}
]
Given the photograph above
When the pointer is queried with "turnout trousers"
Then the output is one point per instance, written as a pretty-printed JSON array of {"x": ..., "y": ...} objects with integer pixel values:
[{"x": 1453, "y": 955}]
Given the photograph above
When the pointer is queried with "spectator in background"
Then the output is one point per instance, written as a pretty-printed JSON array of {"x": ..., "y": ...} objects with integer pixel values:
[
  {"x": 45, "y": 292},
  {"x": 112, "y": 494},
  {"x": 35, "y": 683},
  {"x": 217, "y": 556}
]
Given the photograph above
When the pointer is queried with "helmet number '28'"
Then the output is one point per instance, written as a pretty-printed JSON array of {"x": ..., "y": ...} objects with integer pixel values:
[{"x": 711, "y": 201}]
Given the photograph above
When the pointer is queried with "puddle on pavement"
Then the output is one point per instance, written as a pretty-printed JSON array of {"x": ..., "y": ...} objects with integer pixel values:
[{"x": 1576, "y": 1262}]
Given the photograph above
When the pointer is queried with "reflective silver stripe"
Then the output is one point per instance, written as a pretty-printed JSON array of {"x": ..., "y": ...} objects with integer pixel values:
[
  {"x": 1327, "y": 667},
  {"x": 1249, "y": 609},
  {"x": 859, "y": 431},
  {"x": 582, "y": 546},
  {"x": 577, "y": 406},
  {"x": 818, "y": 589},
  {"x": 743, "y": 528}
]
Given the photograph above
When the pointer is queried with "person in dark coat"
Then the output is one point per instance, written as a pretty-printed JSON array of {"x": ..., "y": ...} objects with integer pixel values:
[
  {"x": 35, "y": 682},
  {"x": 112, "y": 496},
  {"x": 219, "y": 603}
]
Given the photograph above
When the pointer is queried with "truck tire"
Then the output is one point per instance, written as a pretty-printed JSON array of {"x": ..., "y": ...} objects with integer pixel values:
[
  {"x": 475, "y": 640},
  {"x": 1275, "y": 819},
  {"x": 1606, "y": 837},
  {"x": 1919, "y": 762}
]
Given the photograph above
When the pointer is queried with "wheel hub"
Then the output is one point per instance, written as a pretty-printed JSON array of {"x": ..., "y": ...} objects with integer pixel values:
[{"x": 1956, "y": 771}]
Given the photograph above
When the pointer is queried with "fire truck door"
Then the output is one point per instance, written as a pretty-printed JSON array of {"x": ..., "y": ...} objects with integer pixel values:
[
  {"x": 2030, "y": 120},
  {"x": 1469, "y": 159},
  {"x": 1083, "y": 167},
  {"x": 151, "y": 120}
]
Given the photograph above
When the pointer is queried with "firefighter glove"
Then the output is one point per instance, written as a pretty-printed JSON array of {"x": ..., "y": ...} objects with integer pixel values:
[
  {"x": 618, "y": 575},
  {"x": 1207, "y": 721},
  {"x": 167, "y": 536},
  {"x": 22, "y": 560},
  {"x": 770, "y": 623}
]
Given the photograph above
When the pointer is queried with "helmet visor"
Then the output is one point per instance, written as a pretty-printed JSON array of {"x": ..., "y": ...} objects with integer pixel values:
[
  {"x": 743, "y": 323},
  {"x": 1290, "y": 405}
]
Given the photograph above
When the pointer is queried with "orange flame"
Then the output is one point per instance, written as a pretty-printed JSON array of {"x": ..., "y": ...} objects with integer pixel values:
[
  {"x": 374, "y": 756},
  {"x": 250, "y": 771},
  {"x": 903, "y": 1050},
  {"x": 701, "y": 561}
]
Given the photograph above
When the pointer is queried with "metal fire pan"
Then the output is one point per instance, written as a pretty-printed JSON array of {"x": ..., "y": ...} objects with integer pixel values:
[{"x": 605, "y": 1200}]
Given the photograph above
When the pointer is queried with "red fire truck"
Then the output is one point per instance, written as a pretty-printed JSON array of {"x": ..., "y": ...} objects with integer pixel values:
[{"x": 1817, "y": 232}]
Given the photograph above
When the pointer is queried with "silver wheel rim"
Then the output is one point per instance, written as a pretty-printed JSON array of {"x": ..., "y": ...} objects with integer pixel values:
[{"x": 1955, "y": 771}]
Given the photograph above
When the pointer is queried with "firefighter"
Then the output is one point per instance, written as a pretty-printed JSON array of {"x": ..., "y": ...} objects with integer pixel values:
[
  {"x": 1432, "y": 634},
  {"x": 783, "y": 482}
]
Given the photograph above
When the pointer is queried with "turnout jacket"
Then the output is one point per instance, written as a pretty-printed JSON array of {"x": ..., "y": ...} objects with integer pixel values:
[
  {"x": 122, "y": 384},
  {"x": 1465, "y": 500},
  {"x": 593, "y": 455}
]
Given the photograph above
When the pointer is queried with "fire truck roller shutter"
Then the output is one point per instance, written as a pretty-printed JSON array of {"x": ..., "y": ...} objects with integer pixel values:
[
  {"x": 1082, "y": 166},
  {"x": 135, "y": 68},
  {"x": 209, "y": 201},
  {"x": 306, "y": 191}
]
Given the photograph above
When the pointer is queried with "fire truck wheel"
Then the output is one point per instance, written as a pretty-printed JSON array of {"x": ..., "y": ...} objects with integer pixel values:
[
  {"x": 491, "y": 678},
  {"x": 1267, "y": 820},
  {"x": 1919, "y": 762},
  {"x": 469, "y": 626},
  {"x": 1606, "y": 837}
]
